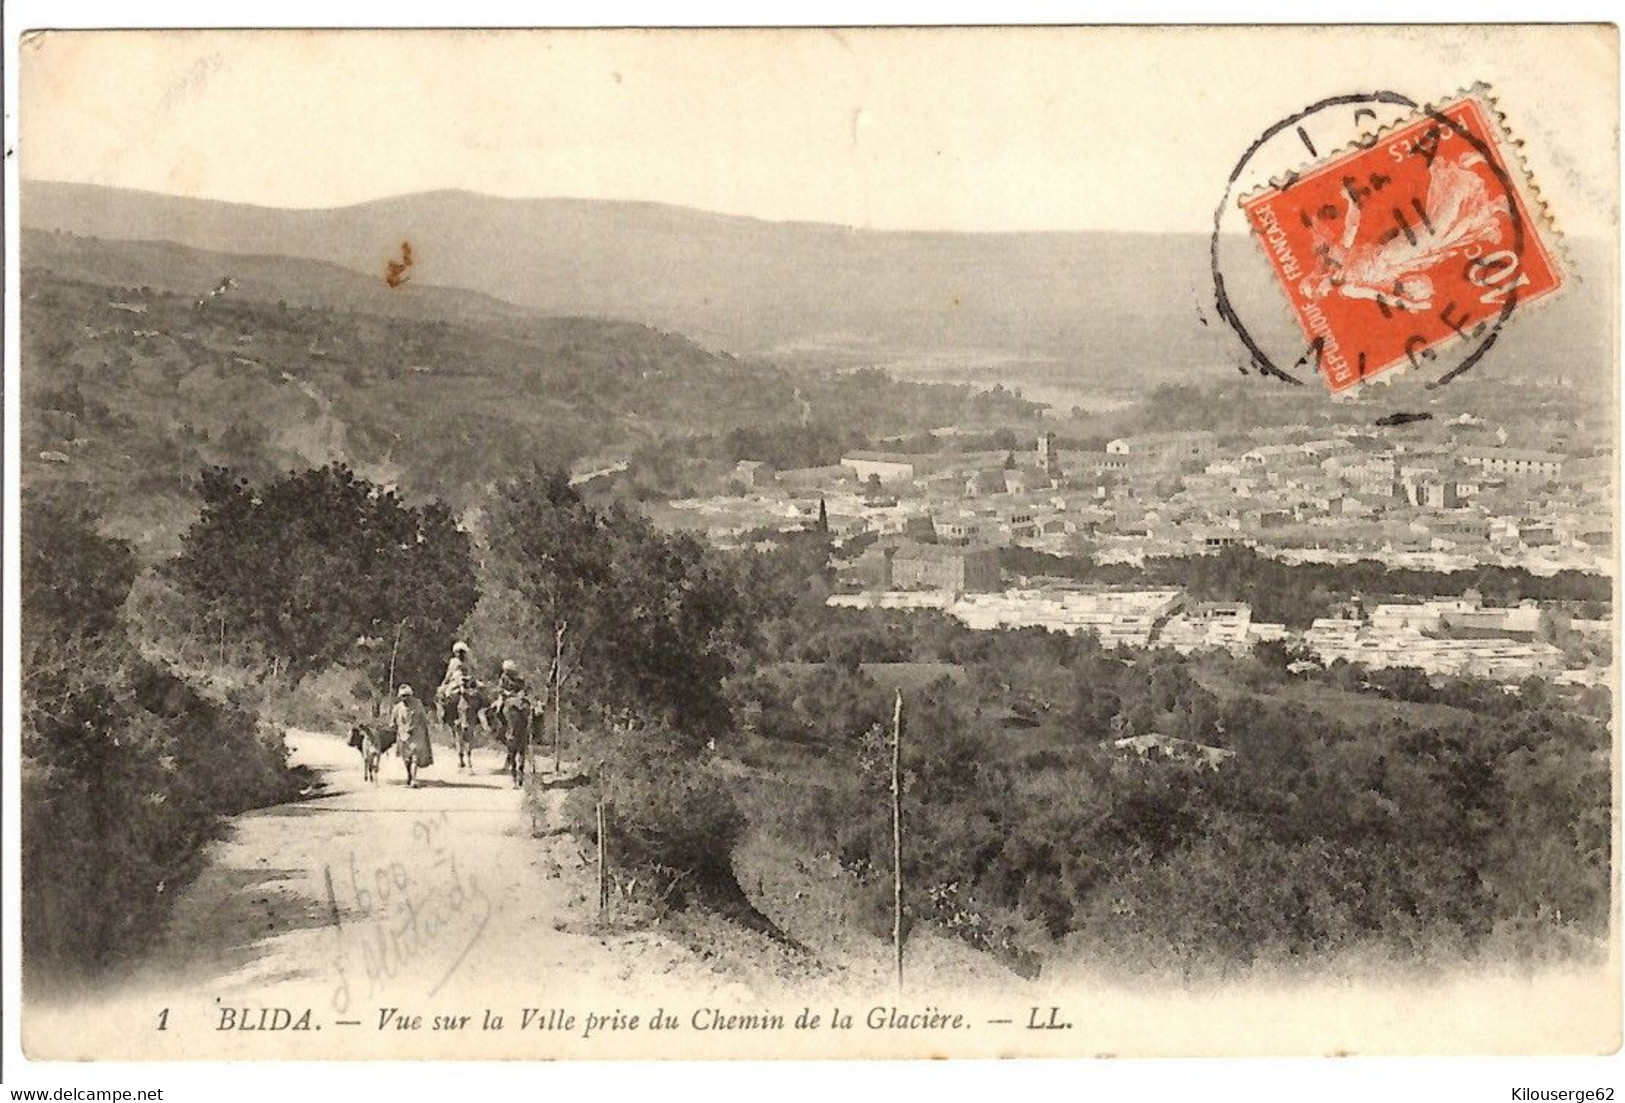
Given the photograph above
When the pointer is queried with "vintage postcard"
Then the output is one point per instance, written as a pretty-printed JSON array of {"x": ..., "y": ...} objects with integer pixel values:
[{"x": 816, "y": 543}]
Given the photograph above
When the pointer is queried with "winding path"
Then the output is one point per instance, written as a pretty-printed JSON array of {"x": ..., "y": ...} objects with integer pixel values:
[{"x": 441, "y": 900}]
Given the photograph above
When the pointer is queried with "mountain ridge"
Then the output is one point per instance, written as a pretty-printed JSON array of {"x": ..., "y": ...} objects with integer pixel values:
[
  {"x": 729, "y": 281},
  {"x": 164, "y": 265},
  {"x": 1102, "y": 309},
  {"x": 35, "y": 183}
]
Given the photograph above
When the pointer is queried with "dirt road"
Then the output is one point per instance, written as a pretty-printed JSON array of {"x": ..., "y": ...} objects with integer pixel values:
[
  {"x": 382, "y": 922},
  {"x": 439, "y": 900}
]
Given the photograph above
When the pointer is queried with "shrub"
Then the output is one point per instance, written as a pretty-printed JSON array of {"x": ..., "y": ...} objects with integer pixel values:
[
  {"x": 654, "y": 622},
  {"x": 126, "y": 769},
  {"x": 73, "y": 579},
  {"x": 323, "y": 567},
  {"x": 667, "y": 813}
]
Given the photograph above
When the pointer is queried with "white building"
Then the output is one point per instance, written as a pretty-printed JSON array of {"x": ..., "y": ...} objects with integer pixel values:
[
  {"x": 1166, "y": 448},
  {"x": 889, "y": 467},
  {"x": 1516, "y": 462}
]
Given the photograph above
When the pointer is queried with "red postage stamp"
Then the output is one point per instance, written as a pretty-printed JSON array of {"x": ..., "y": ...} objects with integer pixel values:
[{"x": 1405, "y": 243}]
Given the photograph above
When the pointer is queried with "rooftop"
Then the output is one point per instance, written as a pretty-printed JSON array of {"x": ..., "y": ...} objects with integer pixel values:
[
  {"x": 881, "y": 457},
  {"x": 1528, "y": 454},
  {"x": 1184, "y": 436},
  {"x": 938, "y": 552}
]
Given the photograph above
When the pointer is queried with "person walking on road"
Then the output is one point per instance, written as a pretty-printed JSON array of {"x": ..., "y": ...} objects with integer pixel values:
[{"x": 411, "y": 723}]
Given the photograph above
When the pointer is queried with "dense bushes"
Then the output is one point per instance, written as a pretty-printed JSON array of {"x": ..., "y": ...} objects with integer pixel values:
[
  {"x": 125, "y": 768},
  {"x": 321, "y": 567},
  {"x": 1295, "y": 594},
  {"x": 1379, "y": 815},
  {"x": 668, "y": 815},
  {"x": 654, "y": 625},
  {"x": 1418, "y": 843}
]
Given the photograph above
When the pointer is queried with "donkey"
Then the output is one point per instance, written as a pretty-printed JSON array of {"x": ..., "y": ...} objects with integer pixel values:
[
  {"x": 364, "y": 738},
  {"x": 461, "y": 714},
  {"x": 512, "y": 721}
]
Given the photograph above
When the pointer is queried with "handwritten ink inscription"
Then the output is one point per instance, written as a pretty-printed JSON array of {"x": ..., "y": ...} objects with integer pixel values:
[{"x": 408, "y": 920}]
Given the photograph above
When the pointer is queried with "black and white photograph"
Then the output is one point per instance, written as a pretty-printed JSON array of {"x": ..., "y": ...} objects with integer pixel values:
[{"x": 868, "y": 542}]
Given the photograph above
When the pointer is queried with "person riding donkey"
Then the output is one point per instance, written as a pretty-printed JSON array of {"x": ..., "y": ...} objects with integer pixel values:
[
  {"x": 458, "y": 698},
  {"x": 510, "y": 683},
  {"x": 459, "y": 672},
  {"x": 512, "y": 709},
  {"x": 411, "y": 723}
]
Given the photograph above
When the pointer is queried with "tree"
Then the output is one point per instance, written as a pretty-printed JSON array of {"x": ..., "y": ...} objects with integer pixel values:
[
  {"x": 655, "y": 621},
  {"x": 322, "y": 567},
  {"x": 1273, "y": 655},
  {"x": 74, "y": 580},
  {"x": 125, "y": 768}
]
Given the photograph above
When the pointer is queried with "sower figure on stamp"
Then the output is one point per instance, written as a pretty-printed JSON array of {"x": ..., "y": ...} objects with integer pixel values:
[
  {"x": 411, "y": 723},
  {"x": 1459, "y": 214}
]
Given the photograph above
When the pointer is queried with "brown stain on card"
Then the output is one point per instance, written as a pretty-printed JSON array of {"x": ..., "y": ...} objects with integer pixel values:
[{"x": 398, "y": 270}]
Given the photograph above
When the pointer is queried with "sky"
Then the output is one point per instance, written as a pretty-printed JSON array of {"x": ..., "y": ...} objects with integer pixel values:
[{"x": 944, "y": 129}]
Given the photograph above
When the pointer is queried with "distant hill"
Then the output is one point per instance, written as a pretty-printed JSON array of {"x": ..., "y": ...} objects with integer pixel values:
[
  {"x": 129, "y": 385},
  {"x": 166, "y": 266},
  {"x": 1109, "y": 309},
  {"x": 733, "y": 283}
]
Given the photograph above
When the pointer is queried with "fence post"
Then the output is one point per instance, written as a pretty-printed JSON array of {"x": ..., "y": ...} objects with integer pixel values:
[
  {"x": 603, "y": 883},
  {"x": 558, "y": 695},
  {"x": 399, "y": 628},
  {"x": 530, "y": 744},
  {"x": 897, "y": 837}
]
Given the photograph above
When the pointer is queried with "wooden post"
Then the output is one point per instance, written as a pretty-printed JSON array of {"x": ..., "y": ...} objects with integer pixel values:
[
  {"x": 603, "y": 884},
  {"x": 399, "y": 628},
  {"x": 557, "y": 687},
  {"x": 897, "y": 836},
  {"x": 530, "y": 744}
]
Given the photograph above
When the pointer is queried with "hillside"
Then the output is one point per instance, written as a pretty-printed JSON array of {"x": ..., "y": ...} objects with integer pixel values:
[
  {"x": 1111, "y": 310},
  {"x": 169, "y": 267},
  {"x": 734, "y": 283},
  {"x": 130, "y": 386}
]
